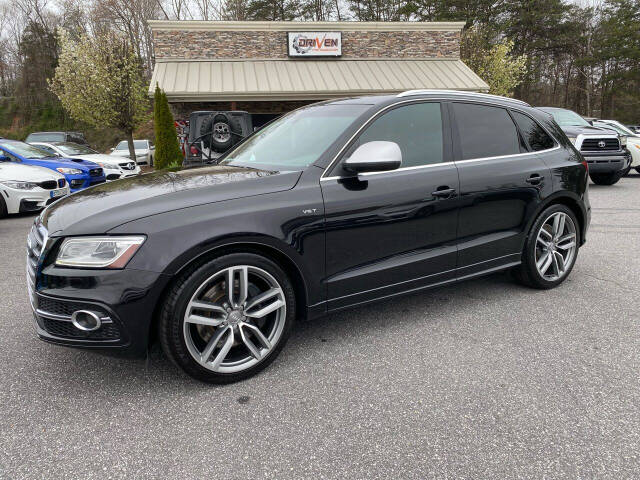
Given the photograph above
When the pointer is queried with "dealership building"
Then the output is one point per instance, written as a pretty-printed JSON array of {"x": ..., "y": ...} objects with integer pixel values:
[{"x": 274, "y": 67}]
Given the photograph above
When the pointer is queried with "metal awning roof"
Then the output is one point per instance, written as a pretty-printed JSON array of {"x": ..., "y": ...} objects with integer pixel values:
[{"x": 263, "y": 80}]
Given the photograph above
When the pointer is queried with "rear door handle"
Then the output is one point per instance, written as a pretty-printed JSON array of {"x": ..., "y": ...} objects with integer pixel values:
[
  {"x": 444, "y": 192},
  {"x": 534, "y": 179}
]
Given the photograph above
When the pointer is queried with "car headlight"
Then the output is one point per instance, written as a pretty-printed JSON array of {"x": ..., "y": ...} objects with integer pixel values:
[
  {"x": 98, "y": 252},
  {"x": 69, "y": 171},
  {"x": 572, "y": 140},
  {"x": 18, "y": 185},
  {"x": 623, "y": 140}
]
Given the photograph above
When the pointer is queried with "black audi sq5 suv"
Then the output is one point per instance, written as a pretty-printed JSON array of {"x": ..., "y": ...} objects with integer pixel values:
[{"x": 333, "y": 205}]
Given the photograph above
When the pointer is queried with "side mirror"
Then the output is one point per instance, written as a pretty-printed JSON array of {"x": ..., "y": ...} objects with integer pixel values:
[
  {"x": 590, "y": 122},
  {"x": 377, "y": 156},
  {"x": 112, "y": 149}
]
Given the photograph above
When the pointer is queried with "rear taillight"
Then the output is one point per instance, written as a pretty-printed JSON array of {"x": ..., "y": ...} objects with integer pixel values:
[{"x": 193, "y": 150}]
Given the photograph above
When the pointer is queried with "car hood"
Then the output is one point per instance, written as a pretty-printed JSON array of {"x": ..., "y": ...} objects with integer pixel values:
[
  {"x": 55, "y": 162},
  {"x": 103, "y": 207},
  {"x": 98, "y": 157},
  {"x": 574, "y": 131},
  {"x": 26, "y": 173}
]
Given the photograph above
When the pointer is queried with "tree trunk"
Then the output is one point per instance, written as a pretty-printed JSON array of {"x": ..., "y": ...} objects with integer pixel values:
[{"x": 132, "y": 150}]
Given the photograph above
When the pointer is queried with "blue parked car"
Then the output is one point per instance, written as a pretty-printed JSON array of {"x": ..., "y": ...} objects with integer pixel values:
[{"x": 79, "y": 173}]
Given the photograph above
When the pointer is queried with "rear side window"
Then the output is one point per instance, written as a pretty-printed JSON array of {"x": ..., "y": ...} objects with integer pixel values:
[
  {"x": 533, "y": 133},
  {"x": 416, "y": 128},
  {"x": 485, "y": 131}
]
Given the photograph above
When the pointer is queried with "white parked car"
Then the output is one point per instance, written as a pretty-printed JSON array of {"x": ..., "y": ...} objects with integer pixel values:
[
  {"x": 27, "y": 188},
  {"x": 632, "y": 139},
  {"x": 114, "y": 168},
  {"x": 145, "y": 151}
]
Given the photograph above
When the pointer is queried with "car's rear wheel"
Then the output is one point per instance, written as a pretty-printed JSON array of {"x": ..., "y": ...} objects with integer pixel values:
[
  {"x": 228, "y": 319},
  {"x": 551, "y": 248},
  {"x": 606, "y": 178}
]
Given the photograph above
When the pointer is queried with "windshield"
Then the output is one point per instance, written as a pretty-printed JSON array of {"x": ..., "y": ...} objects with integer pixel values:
[
  {"x": 297, "y": 139},
  {"x": 24, "y": 150},
  {"x": 567, "y": 118},
  {"x": 137, "y": 144},
  {"x": 46, "y": 137},
  {"x": 75, "y": 149}
]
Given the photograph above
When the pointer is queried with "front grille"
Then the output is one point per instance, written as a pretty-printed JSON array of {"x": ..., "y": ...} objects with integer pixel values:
[
  {"x": 113, "y": 176},
  {"x": 77, "y": 183},
  {"x": 600, "y": 144},
  {"x": 61, "y": 182},
  {"x": 127, "y": 166},
  {"x": 65, "y": 329},
  {"x": 95, "y": 172},
  {"x": 48, "y": 185}
]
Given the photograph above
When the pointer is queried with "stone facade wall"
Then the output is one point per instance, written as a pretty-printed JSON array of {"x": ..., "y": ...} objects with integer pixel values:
[{"x": 209, "y": 44}]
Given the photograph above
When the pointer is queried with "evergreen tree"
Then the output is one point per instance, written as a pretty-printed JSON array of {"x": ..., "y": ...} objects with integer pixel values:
[{"x": 167, "y": 147}]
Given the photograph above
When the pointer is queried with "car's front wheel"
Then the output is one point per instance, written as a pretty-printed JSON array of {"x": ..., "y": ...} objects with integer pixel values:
[
  {"x": 229, "y": 318},
  {"x": 606, "y": 178},
  {"x": 551, "y": 248}
]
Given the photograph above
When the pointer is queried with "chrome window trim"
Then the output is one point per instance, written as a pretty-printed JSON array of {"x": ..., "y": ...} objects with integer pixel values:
[
  {"x": 455, "y": 162},
  {"x": 497, "y": 157}
]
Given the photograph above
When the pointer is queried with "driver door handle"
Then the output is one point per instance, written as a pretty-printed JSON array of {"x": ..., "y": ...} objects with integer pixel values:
[
  {"x": 534, "y": 179},
  {"x": 444, "y": 192}
]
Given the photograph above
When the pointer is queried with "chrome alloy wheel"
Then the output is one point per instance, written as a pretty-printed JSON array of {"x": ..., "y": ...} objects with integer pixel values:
[
  {"x": 556, "y": 246},
  {"x": 234, "y": 319},
  {"x": 221, "y": 132}
]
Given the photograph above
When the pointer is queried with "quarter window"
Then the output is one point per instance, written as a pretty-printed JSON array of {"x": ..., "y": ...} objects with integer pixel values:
[
  {"x": 485, "y": 131},
  {"x": 416, "y": 128},
  {"x": 533, "y": 133}
]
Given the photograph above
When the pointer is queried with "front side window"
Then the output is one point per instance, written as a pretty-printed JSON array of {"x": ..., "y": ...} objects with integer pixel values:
[
  {"x": 416, "y": 128},
  {"x": 485, "y": 131},
  {"x": 296, "y": 139},
  {"x": 533, "y": 133}
]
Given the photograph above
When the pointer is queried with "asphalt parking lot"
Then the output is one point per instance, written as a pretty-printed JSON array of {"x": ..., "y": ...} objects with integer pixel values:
[{"x": 485, "y": 379}]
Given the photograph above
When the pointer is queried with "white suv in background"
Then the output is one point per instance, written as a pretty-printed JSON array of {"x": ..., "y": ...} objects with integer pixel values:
[
  {"x": 27, "y": 188},
  {"x": 114, "y": 168},
  {"x": 632, "y": 139},
  {"x": 145, "y": 151}
]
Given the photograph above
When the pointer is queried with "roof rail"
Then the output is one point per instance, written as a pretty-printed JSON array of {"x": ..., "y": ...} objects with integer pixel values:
[{"x": 409, "y": 93}]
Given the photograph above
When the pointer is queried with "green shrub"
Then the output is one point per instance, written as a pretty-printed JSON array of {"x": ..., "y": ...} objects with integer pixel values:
[{"x": 167, "y": 147}]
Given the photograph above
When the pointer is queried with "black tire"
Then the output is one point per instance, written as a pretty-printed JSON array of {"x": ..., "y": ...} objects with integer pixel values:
[
  {"x": 606, "y": 178},
  {"x": 637, "y": 169},
  {"x": 626, "y": 171},
  {"x": 3, "y": 207},
  {"x": 171, "y": 321},
  {"x": 150, "y": 161},
  {"x": 224, "y": 121},
  {"x": 527, "y": 273}
]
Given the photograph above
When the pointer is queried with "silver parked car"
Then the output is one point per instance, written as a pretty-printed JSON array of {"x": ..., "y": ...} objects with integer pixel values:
[{"x": 145, "y": 151}]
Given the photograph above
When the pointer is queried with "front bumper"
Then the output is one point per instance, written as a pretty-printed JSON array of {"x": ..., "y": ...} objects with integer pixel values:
[
  {"x": 24, "y": 201},
  {"x": 80, "y": 182},
  {"x": 125, "y": 300},
  {"x": 607, "y": 162}
]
